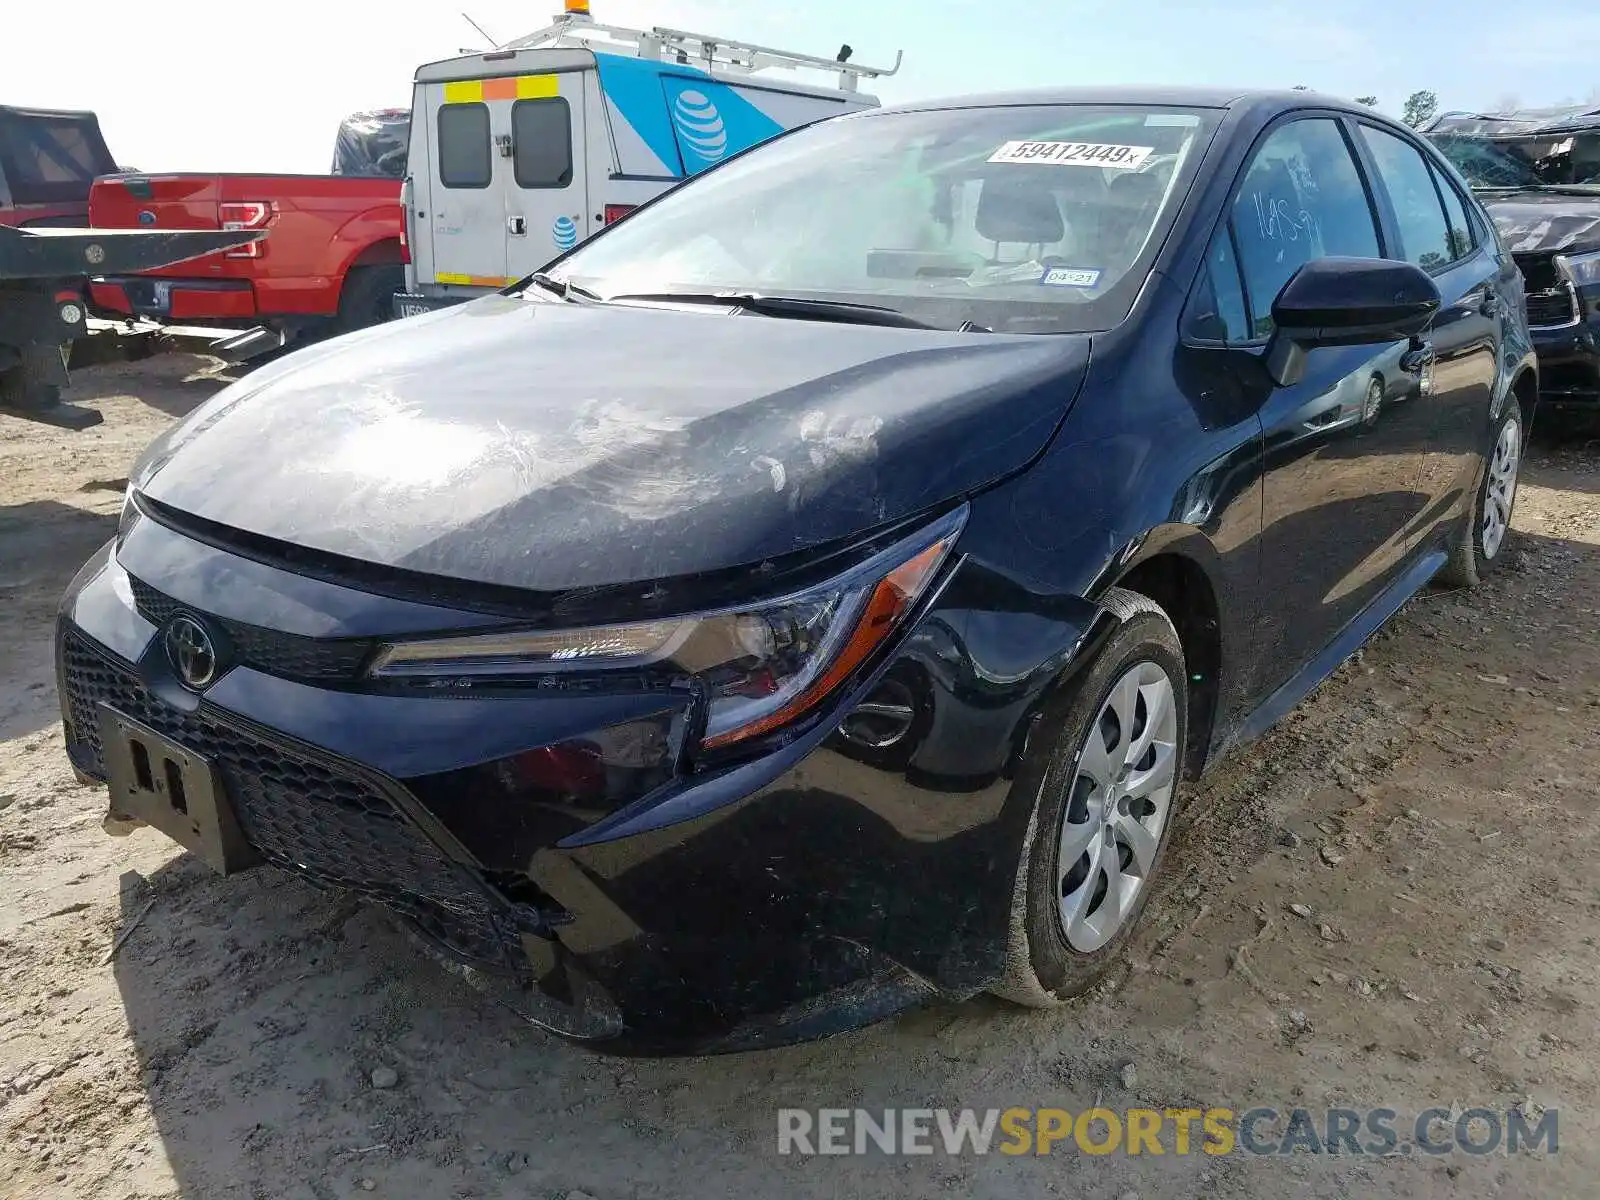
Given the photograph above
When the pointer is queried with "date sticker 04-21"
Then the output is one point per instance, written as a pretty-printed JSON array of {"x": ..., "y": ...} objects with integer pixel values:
[
  {"x": 1081, "y": 277},
  {"x": 1073, "y": 154}
]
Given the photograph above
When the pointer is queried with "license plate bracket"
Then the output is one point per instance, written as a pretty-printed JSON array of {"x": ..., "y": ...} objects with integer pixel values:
[{"x": 173, "y": 789}]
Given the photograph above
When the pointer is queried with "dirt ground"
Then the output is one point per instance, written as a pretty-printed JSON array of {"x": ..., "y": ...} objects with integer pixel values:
[{"x": 1392, "y": 901}]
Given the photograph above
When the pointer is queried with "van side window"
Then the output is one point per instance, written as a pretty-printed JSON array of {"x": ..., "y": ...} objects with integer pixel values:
[
  {"x": 541, "y": 133},
  {"x": 465, "y": 156},
  {"x": 1302, "y": 199}
]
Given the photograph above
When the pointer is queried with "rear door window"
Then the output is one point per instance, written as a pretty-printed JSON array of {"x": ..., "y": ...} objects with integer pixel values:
[
  {"x": 1419, "y": 213},
  {"x": 1462, "y": 242},
  {"x": 541, "y": 133},
  {"x": 465, "y": 154}
]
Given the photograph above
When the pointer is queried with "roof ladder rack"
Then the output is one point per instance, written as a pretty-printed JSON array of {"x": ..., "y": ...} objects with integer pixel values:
[{"x": 696, "y": 49}]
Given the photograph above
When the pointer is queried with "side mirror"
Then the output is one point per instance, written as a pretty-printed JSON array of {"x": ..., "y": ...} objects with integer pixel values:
[{"x": 1346, "y": 302}]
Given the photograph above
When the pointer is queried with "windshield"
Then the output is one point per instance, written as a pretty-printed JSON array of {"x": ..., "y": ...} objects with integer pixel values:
[
  {"x": 1530, "y": 161},
  {"x": 1036, "y": 219}
]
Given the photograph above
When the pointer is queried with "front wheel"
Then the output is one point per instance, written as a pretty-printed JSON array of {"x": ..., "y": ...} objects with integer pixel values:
[
  {"x": 1478, "y": 547},
  {"x": 1104, "y": 811}
]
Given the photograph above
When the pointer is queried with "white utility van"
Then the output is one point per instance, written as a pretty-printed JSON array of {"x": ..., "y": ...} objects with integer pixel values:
[{"x": 519, "y": 154}]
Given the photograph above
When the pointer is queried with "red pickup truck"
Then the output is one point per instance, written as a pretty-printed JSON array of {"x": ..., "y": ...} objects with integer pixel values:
[{"x": 332, "y": 259}]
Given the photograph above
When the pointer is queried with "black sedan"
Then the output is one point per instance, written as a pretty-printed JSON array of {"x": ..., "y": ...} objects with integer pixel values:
[{"x": 810, "y": 596}]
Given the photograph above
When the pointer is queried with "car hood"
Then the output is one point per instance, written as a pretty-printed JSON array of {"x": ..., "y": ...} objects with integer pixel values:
[
  {"x": 550, "y": 446},
  {"x": 1535, "y": 222}
]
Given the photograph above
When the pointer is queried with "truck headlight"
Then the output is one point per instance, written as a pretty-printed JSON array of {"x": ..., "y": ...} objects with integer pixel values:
[
  {"x": 1584, "y": 268},
  {"x": 759, "y": 666}
]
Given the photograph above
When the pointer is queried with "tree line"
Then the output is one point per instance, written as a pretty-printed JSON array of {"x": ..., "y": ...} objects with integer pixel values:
[{"x": 1419, "y": 106}]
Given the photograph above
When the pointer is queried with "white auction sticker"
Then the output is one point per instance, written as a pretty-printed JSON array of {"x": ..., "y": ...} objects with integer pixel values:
[{"x": 1073, "y": 154}]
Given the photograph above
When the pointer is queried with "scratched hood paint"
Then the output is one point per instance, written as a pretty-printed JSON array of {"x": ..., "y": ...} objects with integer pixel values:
[
  {"x": 1535, "y": 222},
  {"x": 551, "y": 446}
]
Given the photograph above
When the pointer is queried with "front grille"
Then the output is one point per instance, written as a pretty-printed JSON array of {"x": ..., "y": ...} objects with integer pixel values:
[
  {"x": 332, "y": 827},
  {"x": 1558, "y": 306},
  {"x": 1551, "y": 300},
  {"x": 289, "y": 655}
]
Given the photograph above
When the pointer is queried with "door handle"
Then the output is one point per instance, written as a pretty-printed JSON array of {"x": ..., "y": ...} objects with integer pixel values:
[
  {"x": 517, "y": 226},
  {"x": 1417, "y": 359},
  {"x": 1490, "y": 305}
]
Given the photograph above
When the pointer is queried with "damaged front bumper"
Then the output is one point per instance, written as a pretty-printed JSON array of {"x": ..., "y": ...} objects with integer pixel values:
[
  {"x": 1569, "y": 359},
  {"x": 819, "y": 886}
]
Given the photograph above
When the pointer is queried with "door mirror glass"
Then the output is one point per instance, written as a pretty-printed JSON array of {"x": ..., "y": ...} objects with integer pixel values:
[{"x": 1347, "y": 302}]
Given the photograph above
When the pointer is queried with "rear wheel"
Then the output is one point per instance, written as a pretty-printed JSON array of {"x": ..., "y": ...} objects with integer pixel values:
[
  {"x": 368, "y": 297},
  {"x": 1479, "y": 545},
  {"x": 1103, "y": 815}
]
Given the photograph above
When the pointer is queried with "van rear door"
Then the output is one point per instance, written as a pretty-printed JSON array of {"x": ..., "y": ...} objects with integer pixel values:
[
  {"x": 508, "y": 185},
  {"x": 546, "y": 190},
  {"x": 465, "y": 211}
]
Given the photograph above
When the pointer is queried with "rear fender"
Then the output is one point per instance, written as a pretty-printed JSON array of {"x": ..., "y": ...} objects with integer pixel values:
[{"x": 371, "y": 238}]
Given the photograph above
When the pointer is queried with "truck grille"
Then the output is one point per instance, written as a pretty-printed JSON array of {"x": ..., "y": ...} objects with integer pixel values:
[
  {"x": 287, "y": 655},
  {"x": 1551, "y": 300},
  {"x": 328, "y": 826}
]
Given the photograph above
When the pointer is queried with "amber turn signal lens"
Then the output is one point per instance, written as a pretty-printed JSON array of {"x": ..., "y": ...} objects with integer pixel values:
[{"x": 891, "y": 599}]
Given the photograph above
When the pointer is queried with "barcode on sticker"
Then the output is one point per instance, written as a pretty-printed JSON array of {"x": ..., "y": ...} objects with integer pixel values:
[{"x": 1073, "y": 154}]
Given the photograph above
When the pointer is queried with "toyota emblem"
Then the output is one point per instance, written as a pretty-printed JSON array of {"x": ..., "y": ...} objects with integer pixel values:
[{"x": 191, "y": 652}]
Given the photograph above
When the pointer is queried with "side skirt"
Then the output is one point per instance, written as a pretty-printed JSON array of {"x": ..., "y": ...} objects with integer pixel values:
[{"x": 1349, "y": 639}]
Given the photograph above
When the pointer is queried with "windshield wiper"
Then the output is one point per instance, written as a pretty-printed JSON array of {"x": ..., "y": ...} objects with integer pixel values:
[
  {"x": 802, "y": 307},
  {"x": 564, "y": 288}
]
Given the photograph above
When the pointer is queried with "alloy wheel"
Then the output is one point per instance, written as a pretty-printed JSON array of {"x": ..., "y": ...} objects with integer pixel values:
[
  {"x": 1500, "y": 487},
  {"x": 1117, "y": 810}
]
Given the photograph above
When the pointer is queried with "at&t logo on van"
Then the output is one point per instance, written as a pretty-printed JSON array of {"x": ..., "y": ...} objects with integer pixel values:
[
  {"x": 700, "y": 125},
  {"x": 564, "y": 233}
]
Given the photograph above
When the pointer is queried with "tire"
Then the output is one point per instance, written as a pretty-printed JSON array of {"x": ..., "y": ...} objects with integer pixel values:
[
  {"x": 368, "y": 297},
  {"x": 1049, "y": 960},
  {"x": 1479, "y": 545},
  {"x": 23, "y": 387}
]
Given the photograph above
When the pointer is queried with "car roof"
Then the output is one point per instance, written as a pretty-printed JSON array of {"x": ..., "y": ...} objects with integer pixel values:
[{"x": 1176, "y": 97}]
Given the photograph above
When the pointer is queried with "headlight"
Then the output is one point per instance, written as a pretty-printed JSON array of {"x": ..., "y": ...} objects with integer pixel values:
[
  {"x": 1584, "y": 268},
  {"x": 128, "y": 517},
  {"x": 759, "y": 666}
]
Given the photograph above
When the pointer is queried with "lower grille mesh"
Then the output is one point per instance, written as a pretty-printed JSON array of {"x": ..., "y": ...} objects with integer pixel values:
[{"x": 330, "y": 827}]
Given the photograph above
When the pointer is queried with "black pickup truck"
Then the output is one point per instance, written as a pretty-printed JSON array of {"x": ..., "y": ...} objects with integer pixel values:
[
  {"x": 1537, "y": 171},
  {"x": 48, "y": 160}
]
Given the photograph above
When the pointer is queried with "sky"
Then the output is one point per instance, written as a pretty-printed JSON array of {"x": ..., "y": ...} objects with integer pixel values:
[{"x": 262, "y": 86}]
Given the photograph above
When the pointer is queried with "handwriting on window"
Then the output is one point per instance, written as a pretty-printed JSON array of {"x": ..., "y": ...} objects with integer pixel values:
[{"x": 1282, "y": 220}]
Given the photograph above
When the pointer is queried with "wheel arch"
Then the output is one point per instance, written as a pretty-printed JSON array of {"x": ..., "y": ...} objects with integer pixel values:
[
  {"x": 1525, "y": 387},
  {"x": 1177, "y": 568}
]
